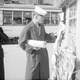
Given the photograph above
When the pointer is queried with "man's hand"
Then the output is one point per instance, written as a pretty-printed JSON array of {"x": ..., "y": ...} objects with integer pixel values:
[
  {"x": 53, "y": 34},
  {"x": 53, "y": 37}
]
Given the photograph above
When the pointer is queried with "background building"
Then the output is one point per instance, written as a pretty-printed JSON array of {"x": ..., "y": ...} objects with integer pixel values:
[
  {"x": 12, "y": 2},
  {"x": 56, "y": 3},
  {"x": 1, "y": 2},
  {"x": 13, "y": 19},
  {"x": 26, "y": 1}
]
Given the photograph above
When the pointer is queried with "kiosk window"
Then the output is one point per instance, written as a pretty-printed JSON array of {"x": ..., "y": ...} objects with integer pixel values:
[
  {"x": 27, "y": 16},
  {"x": 7, "y": 17},
  {"x": 54, "y": 18},
  {"x": 17, "y": 17},
  {"x": 47, "y": 19}
]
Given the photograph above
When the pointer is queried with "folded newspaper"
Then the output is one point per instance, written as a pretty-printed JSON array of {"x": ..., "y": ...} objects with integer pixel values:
[{"x": 37, "y": 43}]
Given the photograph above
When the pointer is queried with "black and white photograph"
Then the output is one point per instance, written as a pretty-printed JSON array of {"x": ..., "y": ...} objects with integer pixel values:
[{"x": 39, "y": 40}]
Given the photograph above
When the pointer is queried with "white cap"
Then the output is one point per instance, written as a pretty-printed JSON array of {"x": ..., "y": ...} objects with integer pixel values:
[{"x": 40, "y": 11}]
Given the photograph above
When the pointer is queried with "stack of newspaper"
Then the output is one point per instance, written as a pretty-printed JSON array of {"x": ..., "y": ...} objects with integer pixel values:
[{"x": 37, "y": 43}]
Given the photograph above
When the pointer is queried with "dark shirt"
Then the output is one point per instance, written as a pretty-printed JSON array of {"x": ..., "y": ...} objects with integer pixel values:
[
  {"x": 3, "y": 37},
  {"x": 3, "y": 40}
]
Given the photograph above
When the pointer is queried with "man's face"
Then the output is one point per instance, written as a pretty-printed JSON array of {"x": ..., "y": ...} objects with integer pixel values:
[{"x": 40, "y": 19}]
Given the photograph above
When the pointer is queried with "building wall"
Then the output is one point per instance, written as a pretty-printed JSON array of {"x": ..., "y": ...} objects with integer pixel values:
[
  {"x": 36, "y": 1},
  {"x": 1, "y": 17},
  {"x": 1, "y": 1},
  {"x": 53, "y": 2},
  {"x": 48, "y": 1},
  {"x": 26, "y": 1},
  {"x": 78, "y": 30},
  {"x": 73, "y": 22},
  {"x": 33, "y": 1}
]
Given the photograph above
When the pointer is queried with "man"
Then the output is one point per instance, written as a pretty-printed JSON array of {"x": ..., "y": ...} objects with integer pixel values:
[
  {"x": 3, "y": 40},
  {"x": 37, "y": 67}
]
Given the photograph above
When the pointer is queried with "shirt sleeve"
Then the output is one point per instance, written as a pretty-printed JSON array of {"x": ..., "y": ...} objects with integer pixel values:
[
  {"x": 4, "y": 39},
  {"x": 24, "y": 37}
]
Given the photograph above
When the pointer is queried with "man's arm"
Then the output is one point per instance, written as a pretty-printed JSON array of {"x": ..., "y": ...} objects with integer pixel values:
[
  {"x": 4, "y": 39},
  {"x": 23, "y": 39}
]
